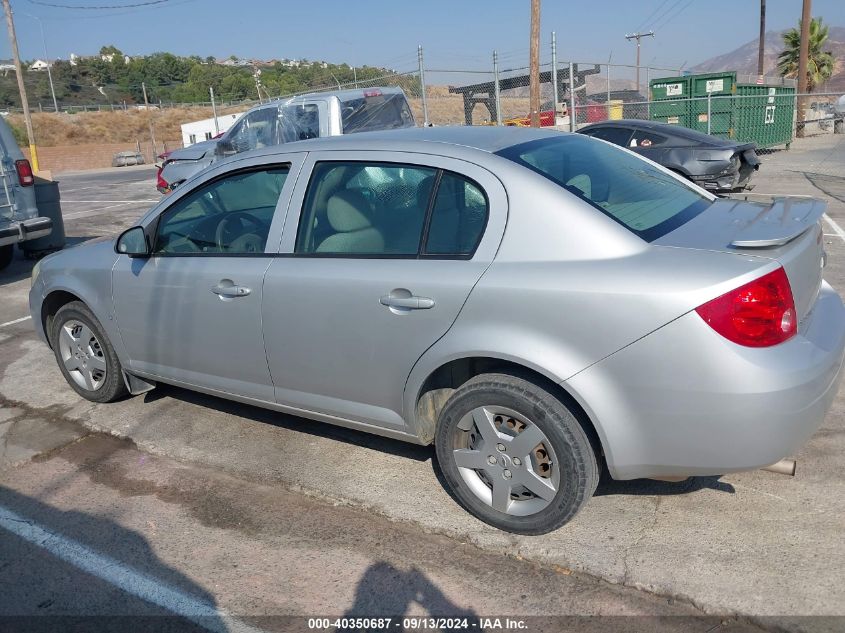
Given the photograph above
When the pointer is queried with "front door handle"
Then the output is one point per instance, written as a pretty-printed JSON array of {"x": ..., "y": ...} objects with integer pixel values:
[
  {"x": 226, "y": 289},
  {"x": 412, "y": 302}
]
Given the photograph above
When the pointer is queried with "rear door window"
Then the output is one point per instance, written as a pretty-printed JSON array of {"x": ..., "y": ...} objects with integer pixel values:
[
  {"x": 633, "y": 192},
  {"x": 458, "y": 217},
  {"x": 365, "y": 209},
  {"x": 615, "y": 135},
  {"x": 298, "y": 122},
  {"x": 646, "y": 138},
  {"x": 375, "y": 110}
]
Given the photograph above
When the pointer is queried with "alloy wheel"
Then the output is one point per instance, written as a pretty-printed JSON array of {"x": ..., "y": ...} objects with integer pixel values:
[
  {"x": 82, "y": 355},
  {"x": 506, "y": 460}
]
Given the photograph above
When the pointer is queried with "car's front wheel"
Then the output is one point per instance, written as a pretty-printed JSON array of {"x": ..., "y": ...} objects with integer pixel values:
[
  {"x": 514, "y": 456},
  {"x": 85, "y": 355}
]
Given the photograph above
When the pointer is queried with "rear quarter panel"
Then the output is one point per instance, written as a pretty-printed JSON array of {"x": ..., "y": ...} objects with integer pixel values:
[{"x": 570, "y": 287}]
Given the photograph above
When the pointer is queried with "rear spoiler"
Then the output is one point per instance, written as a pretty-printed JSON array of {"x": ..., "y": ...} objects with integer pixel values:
[{"x": 781, "y": 222}]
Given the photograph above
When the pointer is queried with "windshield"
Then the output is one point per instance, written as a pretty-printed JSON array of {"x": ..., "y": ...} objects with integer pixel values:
[
  {"x": 375, "y": 111},
  {"x": 628, "y": 189}
]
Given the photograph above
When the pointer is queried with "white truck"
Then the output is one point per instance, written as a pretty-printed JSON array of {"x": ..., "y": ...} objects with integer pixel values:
[{"x": 296, "y": 119}]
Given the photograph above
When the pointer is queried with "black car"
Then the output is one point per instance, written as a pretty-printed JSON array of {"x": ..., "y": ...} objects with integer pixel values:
[{"x": 711, "y": 162}]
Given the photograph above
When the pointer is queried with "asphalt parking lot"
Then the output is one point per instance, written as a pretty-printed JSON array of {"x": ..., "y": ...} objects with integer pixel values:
[{"x": 755, "y": 544}]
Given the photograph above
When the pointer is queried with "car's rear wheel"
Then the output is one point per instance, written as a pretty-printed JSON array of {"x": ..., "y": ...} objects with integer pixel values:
[
  {"x": 85, "y": 355},
  {"x": 7, "y": 253},
  {"x": 514, "y": 456}
]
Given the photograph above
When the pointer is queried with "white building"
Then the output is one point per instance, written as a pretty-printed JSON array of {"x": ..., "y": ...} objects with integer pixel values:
[
  {"x": 204, "y": 130},
  {"x": 39, "y": 65}
]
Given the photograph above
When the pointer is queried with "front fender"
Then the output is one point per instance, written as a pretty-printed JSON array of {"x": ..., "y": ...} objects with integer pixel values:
[{"x": 84, "y": 272}]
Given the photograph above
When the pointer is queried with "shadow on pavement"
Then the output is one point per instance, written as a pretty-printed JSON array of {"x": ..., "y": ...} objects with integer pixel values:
[
  {"x": 385, "y": 591},
  {"x": 68, "y": 570},
  {"x": 608, "y": 486}
]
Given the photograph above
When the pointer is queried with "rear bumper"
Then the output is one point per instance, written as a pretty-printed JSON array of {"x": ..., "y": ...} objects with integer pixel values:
[
  {"x": 32, "y": 229},
  {"x": 728, "y": 182},
  {"x": 684, "y": 401}
]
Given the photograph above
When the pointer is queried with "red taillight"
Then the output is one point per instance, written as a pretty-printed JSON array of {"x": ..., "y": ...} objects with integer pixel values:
[
  {"x": 759, "y": 314},
  {"x": 161, "y": 183},
  {"x": 25, "y": 176}
]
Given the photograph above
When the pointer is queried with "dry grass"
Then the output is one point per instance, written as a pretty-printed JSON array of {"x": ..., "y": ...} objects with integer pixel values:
[
  {"x": 129, "y": 126},
  {"x": 111, "y": 126}
]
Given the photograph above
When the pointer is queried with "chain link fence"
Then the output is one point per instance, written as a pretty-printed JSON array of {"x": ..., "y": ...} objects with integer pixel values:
[{"x": 576, "y": 94}]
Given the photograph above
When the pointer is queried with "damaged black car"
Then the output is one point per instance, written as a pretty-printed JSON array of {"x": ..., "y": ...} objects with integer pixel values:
[{"x": 716, "y": 164}]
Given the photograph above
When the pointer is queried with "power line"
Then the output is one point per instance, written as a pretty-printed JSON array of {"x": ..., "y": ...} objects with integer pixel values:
[
  {"x": 90, "y": 15},
  {"x": 667, "y": 19},
  {"x": 653, "y": 14}
]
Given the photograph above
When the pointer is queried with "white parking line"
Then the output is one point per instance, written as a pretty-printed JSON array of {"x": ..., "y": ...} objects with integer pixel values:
[
  {"x": 21, "y": 320},
  {"x": 836, "y": 228},
  {"x": 87, "y": 214},
  {"x": 122, "y": 576}
]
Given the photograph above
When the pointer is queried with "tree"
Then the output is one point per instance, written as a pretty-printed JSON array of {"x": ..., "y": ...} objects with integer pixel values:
[
  {"x": 111, "y": 49},
  {"x": 819, "y": 62}
]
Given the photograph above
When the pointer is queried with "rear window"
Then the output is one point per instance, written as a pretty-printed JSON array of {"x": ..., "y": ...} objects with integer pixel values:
[
  {"x": 631, "y": 191},
  {"x": 375, "y": 111}
]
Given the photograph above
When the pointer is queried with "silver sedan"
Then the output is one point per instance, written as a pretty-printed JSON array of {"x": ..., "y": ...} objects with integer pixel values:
[{"x": 537, "y": 305}]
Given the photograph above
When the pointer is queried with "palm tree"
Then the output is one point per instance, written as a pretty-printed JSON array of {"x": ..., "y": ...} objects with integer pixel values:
[{"x": 819, "y": 62}]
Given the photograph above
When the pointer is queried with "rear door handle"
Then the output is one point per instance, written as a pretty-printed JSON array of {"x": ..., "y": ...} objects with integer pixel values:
[
  {"x": 407, "y": 303},
  {"x": 230, "y": 290}
]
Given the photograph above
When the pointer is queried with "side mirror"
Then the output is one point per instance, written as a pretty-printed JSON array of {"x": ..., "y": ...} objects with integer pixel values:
[{"x": 133, "y": 242}]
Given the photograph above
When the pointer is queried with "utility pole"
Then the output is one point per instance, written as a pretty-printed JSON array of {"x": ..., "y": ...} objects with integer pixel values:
[
  {"x": 554, "y": 73},
  {"x": 46, "y": 59},
  {"x": 534, "y": 63},
  {"x": 214, "y": 110},
  {"x": 802, "y": 64},
  {"x": 149, "y": 114},
  {"x": 638, "y": 36},
  {"x": 13, "y": 41},
  {"x": 762, "y": 46},
  {"x": 497, "y": 94},
  {"x": 256, "y": 75},
  {"x": 421, "y": 64}
]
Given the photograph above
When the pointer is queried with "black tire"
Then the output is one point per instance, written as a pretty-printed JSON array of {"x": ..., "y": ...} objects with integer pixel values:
[
  {"x": 577, "y": 463},
  {"x": 7, "y": 254},
  {"x": 112, "y": 387}
]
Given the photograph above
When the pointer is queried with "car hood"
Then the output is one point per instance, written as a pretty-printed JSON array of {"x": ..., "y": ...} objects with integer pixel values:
[
  {"x": 97, "y": 251},
  {"x": 193, "y": 152}
]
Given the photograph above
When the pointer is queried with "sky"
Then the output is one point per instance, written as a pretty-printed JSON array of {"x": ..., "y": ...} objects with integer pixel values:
[{"x": 455, "y": 34}]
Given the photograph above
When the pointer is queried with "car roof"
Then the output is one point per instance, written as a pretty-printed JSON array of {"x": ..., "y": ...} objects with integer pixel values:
[
  {"x": 483, "y": 138},
  {"x": 343, "y": 95},
  {"x": 662, "y": 128}
]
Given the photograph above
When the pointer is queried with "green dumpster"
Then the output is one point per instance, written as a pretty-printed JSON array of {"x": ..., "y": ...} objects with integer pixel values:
[
  {"x": 712, "y": 105},
  {"x": 764, "y": 114},
  {"x": 722, "y": 105},
  {"x": 675, "y": 112},
  {"x": 670, "y": 88}
]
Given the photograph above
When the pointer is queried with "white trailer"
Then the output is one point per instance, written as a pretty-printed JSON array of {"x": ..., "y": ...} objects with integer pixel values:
[{"x": 205, "y": 130}]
